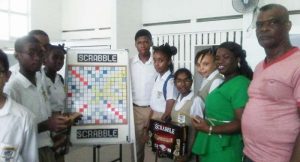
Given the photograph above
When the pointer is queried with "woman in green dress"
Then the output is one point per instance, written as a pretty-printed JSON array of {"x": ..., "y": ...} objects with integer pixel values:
[{"x": 219, "y": 138}]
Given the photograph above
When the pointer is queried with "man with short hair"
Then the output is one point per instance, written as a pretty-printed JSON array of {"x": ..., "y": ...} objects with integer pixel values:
[
  {"x": 42, "y": 37},
  {"x": 143, "y": 77},
  {"x": 271, "y": 119}
]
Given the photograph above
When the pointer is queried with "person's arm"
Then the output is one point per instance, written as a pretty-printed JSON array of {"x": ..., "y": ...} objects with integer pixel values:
[
  {"x": 296, "y": 151},
  {"x": 54, "y": 123},
  {"x": 169, "y": 106},
  {"x": 197, "y": 107},
  {"x": 171, "y": 96},
  {"x": 226, "y": 128}
]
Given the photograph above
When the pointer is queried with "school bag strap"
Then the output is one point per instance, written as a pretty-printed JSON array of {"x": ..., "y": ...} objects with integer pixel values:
[
  {"x": 165, "y": 86},
  {"x": 61, "y": 78}
]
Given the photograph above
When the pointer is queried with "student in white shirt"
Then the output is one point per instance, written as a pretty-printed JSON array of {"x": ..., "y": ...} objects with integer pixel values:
[
  {"x": 52, "y": 81},
  {"x": 205, "y": 61},
  {"x": 18, "y": 130},
  {"x": 164, "y": 92},
  {"x": 43, "y": 38},
  {"x": 182, "y": 111},
  {"x": 143, "y": 77},
  {"x": 206, "y": 67},
  {"x": 54, "y": 85},
  {"x": 26, "y": 89}
]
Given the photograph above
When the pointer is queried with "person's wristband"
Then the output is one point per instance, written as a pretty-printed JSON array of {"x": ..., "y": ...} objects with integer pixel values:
[{"x": 210, "y": 130}]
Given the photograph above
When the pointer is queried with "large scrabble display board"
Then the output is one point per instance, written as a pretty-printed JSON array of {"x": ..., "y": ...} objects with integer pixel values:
[
  {"x": 99, "y": 93},
  {"x": 98, "y": 88}
]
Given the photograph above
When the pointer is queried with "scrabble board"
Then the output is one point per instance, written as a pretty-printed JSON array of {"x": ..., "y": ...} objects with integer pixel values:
[
  {"x": 98, "y": 87},
  {"x": 99, "y": 93}
]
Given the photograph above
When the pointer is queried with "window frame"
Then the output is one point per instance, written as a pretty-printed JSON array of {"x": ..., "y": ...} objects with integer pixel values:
[{"x": 12, "y": 36}]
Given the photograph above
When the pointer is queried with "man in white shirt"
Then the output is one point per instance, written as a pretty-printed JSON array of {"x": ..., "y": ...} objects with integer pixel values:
[{"x": 143, "y": 77}]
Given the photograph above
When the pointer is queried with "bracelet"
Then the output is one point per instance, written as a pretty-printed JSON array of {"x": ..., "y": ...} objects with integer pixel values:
[{"x": 210, "y": 130}]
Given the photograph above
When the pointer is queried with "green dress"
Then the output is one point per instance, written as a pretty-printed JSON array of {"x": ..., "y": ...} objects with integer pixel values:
[{"x": 220, "y": 106}]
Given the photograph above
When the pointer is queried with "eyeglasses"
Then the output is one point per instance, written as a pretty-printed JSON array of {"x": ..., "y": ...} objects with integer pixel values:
[{"x": 183, "y": 81}]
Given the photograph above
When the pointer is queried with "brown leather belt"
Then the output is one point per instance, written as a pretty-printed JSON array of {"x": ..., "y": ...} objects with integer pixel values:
[{"x": 147, "y": 106}]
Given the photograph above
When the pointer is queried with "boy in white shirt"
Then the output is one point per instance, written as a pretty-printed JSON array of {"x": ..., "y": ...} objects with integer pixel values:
[
  {"x": 43, "y": 38},
  {"x": 143, "y": 77},
  {"x": 18, "y": 131},
  {"x": 26, "y": 89}
]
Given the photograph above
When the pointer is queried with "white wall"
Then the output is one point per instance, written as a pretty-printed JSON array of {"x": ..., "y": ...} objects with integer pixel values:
[
  {"x": 89, "y": 19},
  {"x": 127, "y": 21},
  {"x": 46, "y": 15},
  {"x": 156, "y": 11},
  {"x": 110, "y": 22},
  {"x": 171, "y": 10},
  {"x": 78, "y": 14}
]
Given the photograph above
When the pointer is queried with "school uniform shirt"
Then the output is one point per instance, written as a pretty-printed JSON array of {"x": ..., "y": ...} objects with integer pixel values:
[
  {"x": 208, "y": 85},
  {"x": 142, "y": 78},
  {"x": 181, "y": 114},
  {"x": 34, "y": 98},
  {"x": 18, "y": 132},
  {"x": 196, "y": 108},
  {"x": 158, "y": 101},
  {"x": 14, "y": 70},
  {"x": 215, "y": 83},
  {"x": 56, "y": 91}
]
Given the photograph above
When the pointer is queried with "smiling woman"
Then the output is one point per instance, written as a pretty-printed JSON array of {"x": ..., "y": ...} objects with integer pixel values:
[{"x": 220, "y": 129}]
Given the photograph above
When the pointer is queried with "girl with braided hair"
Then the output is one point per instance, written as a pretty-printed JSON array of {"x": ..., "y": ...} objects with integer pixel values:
[
  {"x": 55, "y": 89},
  {"x": 164, "y": 92}
]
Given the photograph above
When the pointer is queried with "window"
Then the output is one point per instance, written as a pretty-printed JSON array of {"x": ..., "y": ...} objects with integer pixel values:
[{"x": 14, "y": 18}]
